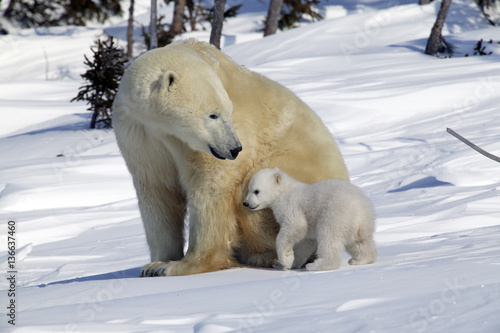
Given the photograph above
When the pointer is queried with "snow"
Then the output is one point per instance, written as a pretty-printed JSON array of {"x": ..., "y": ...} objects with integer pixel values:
[{"x": 80, "y": 241}]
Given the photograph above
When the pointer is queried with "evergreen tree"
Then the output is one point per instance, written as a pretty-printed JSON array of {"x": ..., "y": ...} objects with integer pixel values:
[
  {"x": 197, "y": 13},
  {"x": 491, "y": 10},
  {"x": 78, "y": 12},
  {"x": 294, "y": 10},
  {"x": 33, "y": 13},
  {"x": 163, "y": 36},
  {"x": 102, "y": 77},
  {"x": 44, "y": 13}
]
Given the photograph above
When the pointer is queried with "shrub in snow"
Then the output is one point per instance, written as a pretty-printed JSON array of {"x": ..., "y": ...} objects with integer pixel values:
[
  {"x": 293, "y": 12},
  {"x": 102, "y": 77},
  {"x": 46, "y": 13},
  {"x": 33, "y": 13}
]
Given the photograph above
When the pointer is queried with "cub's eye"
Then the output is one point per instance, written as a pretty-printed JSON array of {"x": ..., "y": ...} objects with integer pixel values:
[
  {"x": 256, "y": 192},
  {"x": 214, "y": 116}
]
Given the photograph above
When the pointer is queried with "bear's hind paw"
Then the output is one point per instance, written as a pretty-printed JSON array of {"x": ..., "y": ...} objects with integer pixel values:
[
  {"x": 264, "y": 260},
  {"x": 278, "y": 265}
]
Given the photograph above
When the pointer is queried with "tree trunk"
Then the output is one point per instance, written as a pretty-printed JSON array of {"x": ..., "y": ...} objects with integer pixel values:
[
  {"x": 191, "y": 9},
  {"x": 216, "y": 33},
  {"x": 436, "y": 43},
  {"x": 178, "y": 20},
  {"x": 9, "y": 8},
  {"x": 491, "y": 10},
  {"x": 273, "y": 17},
  {"x": 130, "y": 29},
  {"x": 424, "y": 2},
  {"x": 153, "y": 35}
]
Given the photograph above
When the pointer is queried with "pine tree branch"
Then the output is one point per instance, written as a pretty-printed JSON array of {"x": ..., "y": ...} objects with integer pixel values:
[{"x": 473, "y": 146}]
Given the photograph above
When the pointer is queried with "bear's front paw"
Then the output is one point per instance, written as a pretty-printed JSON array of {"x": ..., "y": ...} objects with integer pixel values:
[
  {"x": 156, "y": 268},
  {"x": 265, "y": 259}
]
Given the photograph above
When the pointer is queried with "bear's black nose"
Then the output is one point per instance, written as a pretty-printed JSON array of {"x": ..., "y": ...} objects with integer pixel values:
[
  {"x": 245, "y": 203},
  {"x": 235, "y": 151}
]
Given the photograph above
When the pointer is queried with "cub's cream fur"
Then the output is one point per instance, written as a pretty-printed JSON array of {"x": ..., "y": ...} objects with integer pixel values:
[{"x": 326, "y": 217}]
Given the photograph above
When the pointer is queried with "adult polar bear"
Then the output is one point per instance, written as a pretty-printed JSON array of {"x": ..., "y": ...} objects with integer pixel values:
[{"x": 182, "y": 114}]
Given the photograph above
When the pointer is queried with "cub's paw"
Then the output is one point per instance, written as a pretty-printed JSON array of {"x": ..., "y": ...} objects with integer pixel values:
[
  {"x": 322, "y": 265},
  {"x": 353, "y": 261},
  {"x": 363, "y": 261},
  {"x": 313, "y": 267}
]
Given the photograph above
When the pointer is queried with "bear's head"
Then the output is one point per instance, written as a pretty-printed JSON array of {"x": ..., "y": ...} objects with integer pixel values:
[
  {"x": 185, "y": 98},
  {"x": 265, "y": 186}
]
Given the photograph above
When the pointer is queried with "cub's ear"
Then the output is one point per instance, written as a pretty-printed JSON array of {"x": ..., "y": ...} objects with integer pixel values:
[
  {"x": 169, "y": 80},
  {"x": 277, "y": 178}
]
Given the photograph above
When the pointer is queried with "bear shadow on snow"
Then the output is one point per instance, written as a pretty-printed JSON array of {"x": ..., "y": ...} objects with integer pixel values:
[{"x": 124, "y": 274}]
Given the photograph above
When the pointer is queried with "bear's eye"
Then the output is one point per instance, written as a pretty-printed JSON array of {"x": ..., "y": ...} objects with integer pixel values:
[
  {"x": 256, "y": 192},
  {"x": 214, "y": 116}
]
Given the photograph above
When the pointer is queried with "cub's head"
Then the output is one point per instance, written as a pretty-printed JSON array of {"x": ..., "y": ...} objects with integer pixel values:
[
  {"x": 264, "y": 188},
  {"x": 176, "y": 92}
]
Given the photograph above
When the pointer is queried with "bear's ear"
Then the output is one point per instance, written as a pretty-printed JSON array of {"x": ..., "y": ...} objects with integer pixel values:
[
  {"x": 170, "y": 78},
  {"x": 277, "y": 178}
]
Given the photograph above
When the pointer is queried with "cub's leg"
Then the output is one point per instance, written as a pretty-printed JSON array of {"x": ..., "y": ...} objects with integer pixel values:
[
  {"x": 303, "y": 251},
  {"x": 329, "y": 257},
  {"x": 284, "y": 249},
  {"x": 291, "y": 233},
  {"x": 362, "y": 251},
  {"x": 330, "y": 247}
]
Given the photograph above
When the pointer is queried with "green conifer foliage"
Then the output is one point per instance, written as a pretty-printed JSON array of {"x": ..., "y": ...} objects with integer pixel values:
[{"x": 102, "y": 80}]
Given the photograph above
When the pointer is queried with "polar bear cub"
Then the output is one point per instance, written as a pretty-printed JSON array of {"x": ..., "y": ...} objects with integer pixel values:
[{"x": 326, "y": 217}]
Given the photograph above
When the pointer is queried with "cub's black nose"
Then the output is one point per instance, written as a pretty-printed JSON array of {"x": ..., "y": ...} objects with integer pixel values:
[
  {"x": 235, "y": 151},
  {"x": 245, "y": 203}
]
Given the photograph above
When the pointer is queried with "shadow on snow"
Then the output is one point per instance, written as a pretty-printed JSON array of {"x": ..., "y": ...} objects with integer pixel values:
[
  {"x": 422, "y": 183},
  {"x": 124, "y": 274}
]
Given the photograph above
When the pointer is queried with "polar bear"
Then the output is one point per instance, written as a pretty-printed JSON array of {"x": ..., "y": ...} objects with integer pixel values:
[
  {"x": 193, "y": 127},
  {"x": 327, "y": 216}
]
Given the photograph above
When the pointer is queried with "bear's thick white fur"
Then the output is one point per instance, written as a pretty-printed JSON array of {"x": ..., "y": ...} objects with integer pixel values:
[
  {"x": 181, "y": 115},
  {"x": 326, "y": 217}
]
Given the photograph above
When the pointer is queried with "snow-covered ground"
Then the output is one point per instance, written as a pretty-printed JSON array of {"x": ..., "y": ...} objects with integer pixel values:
[{"x": 79, "y": 237}]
